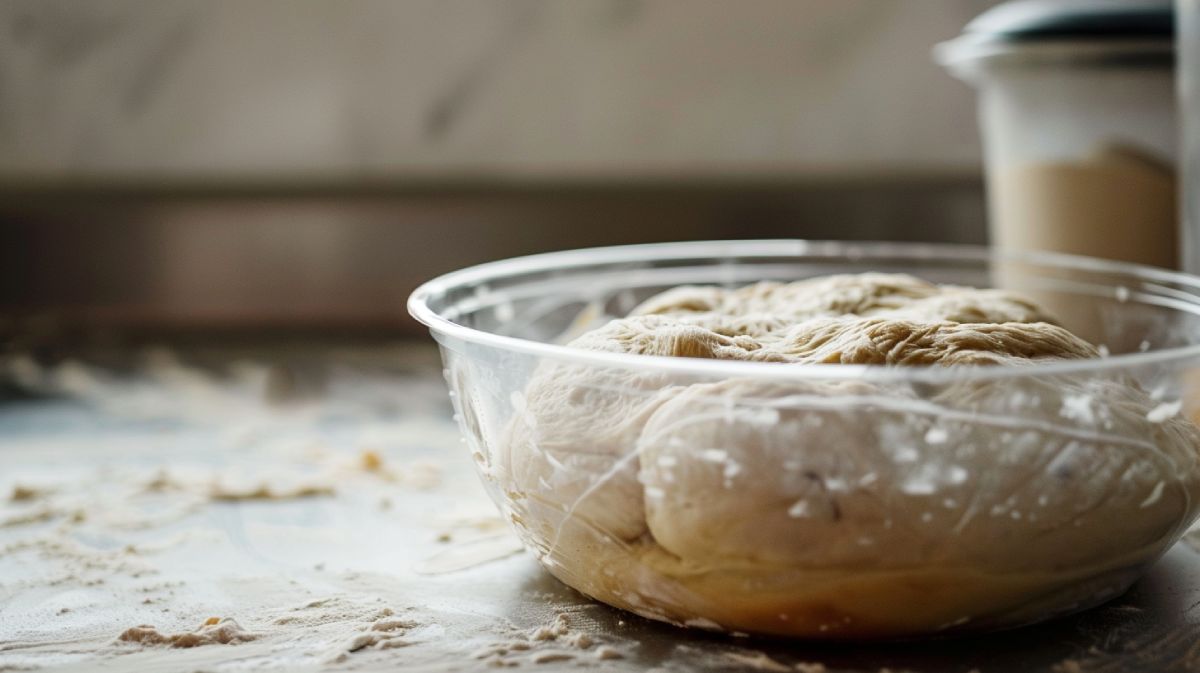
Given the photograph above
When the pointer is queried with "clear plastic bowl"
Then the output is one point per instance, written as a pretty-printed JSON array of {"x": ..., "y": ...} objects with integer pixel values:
[{"x": 827, "y": 501}]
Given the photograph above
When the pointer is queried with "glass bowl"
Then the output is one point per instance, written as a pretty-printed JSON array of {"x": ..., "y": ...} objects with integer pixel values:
[{"x": 827, "y": 501}]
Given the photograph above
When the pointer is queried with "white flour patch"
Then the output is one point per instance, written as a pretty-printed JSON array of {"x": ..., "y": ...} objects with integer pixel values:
[
  {"x": 1164, "y": 411},
  {"x": 214, "y": 631}
]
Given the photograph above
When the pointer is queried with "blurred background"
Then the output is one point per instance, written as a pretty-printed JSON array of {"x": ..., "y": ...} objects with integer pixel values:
[{"x": 176, "y": 164}]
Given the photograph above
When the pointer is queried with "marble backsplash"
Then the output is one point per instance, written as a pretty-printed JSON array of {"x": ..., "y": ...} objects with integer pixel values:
[{"x": 295, "y": 90}]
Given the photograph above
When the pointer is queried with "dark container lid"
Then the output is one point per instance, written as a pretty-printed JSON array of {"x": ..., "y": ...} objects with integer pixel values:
[
  {"x": 1076, "y": 19},
  {"x": 1081, "y": 32}
]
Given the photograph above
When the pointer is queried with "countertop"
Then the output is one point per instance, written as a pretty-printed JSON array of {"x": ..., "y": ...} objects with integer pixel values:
[{"x": 310, "y": 508}]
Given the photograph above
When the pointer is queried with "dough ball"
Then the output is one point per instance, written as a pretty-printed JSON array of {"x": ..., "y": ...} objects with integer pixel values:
[
  {"x": 845, "y": 508},
  {"x": 968, "y": 305},
  {"x": 864, "y": 295},
  {"x": 569, "y": 457},
  {"x": 742, "y": 472},
  {"x": 569, "y": 450},
  {"x": 825, "y": 296},
  {"x": 884, "y": 341},
  {"x": 1064, "y": 472},
  {"x": 659, "y": 335},
  {"x": 849, "y": 475}
]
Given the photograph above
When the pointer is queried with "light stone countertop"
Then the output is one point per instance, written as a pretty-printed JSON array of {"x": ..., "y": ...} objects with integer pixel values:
[{"x": 310, "y": 509}]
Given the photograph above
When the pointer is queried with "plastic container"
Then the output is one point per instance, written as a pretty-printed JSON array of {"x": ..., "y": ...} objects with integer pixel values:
[
  {"x": 826, "y": 501},
  {"x": 1077, "y": 113}
]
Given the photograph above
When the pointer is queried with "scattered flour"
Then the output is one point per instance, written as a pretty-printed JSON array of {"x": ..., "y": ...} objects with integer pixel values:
[
  {"x": 758, "y": 661},
  {"x": 554, "y": 642},
  {"x": 381, "y": 641},
  {"x": 21, "y": 493},
  {"x": 551, "y": 656},
  {"x": 607, "y": 653},
  {"x": 1164, "y": 411},
  {"x": 39, "y": 515},
  {"x": 340, "y": 609},
  {"x": 559, "y": 627},
  {"x": 420, "y": 475},
  {"x": 371, "y": 461},
  {"x": 214, "y": 631},
  {"x": 388, "y": 624},
  {"x": 264, "y": 491}
]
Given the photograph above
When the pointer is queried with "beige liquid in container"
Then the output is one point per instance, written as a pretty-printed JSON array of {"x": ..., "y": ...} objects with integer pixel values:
[{"x": 1117, "y": 203}]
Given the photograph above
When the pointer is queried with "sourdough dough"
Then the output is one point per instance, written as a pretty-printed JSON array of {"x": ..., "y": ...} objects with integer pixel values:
[{"x": 844, "y": 508}]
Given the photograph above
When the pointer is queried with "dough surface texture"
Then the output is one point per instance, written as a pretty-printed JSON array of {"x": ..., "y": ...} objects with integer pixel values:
[{"x": 845, "y": 508}]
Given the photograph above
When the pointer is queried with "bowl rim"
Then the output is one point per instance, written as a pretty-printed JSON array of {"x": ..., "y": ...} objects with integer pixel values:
[{"x": 419, "y": 307}]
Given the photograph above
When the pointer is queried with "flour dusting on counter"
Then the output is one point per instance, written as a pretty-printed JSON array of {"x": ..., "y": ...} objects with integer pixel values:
[
  {"x": 228, "y": 517},
  {"x": 140, "y": 505}
]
